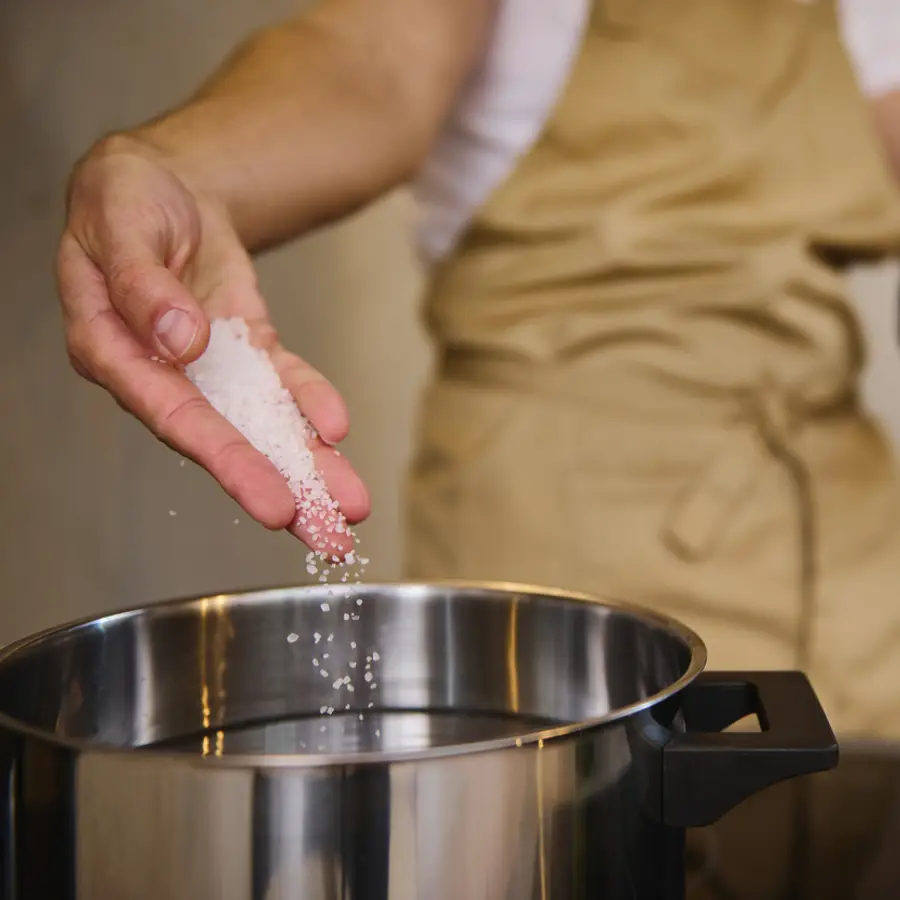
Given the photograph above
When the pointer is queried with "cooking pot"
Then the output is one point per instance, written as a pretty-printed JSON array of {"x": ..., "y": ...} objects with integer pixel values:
[{"x": 379, "y": 742}]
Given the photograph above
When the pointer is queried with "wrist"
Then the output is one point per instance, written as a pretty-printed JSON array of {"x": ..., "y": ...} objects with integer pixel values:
[{"x": 154, "y": 143}]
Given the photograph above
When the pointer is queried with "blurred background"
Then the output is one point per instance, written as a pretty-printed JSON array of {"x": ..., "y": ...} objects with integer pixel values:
[{"x": 86, "y": 494}]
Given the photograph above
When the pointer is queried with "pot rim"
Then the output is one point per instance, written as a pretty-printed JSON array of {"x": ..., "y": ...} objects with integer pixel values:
[{"x": 533, "y": 740}]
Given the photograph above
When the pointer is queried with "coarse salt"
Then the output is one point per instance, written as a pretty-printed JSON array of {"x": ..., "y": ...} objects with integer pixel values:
[{"x": 241, "y": 384}]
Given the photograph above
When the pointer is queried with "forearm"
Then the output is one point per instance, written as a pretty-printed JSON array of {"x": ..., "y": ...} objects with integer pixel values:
[{"x": 311, "y": 120}]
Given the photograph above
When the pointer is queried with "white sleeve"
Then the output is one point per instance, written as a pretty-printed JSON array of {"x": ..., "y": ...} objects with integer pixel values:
[{"x": 871, "y": 30}]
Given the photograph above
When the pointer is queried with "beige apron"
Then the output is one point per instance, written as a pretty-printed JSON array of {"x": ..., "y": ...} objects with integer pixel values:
[{"x": 649, "y": 362}]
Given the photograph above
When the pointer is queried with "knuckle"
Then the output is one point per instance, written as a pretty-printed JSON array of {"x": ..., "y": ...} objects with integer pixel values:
[
  {"x": 87, "y": 350},
  {"x": 169, "y": 423},
  {"x": 79, "y": 368},
  {"x": 131, "y": 282},
  {"x": 224, "y": 454},
  {"x": 77, "y": 341}
]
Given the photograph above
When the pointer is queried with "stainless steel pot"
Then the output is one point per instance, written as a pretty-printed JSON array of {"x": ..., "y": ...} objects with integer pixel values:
[{"x": 386, "y": 742}]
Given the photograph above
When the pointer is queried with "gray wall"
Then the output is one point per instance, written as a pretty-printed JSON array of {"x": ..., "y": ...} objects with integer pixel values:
[{"x": 85, "y": 493}]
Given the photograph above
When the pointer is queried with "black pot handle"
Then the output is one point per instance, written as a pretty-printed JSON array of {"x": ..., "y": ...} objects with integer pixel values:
[{"x": 706, "y": 772}]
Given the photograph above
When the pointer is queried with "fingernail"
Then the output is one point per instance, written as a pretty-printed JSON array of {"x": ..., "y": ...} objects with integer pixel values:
[{"x": 176, "y": 331}]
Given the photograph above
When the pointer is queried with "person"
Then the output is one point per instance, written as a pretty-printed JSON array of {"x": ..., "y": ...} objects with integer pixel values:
[{"x": 637, "y": 216}]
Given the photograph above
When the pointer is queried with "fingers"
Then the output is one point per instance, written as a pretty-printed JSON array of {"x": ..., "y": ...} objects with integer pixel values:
[
  {"x": 163, "y": 398},
  {"x": 328, "y": 531},
  {"x": 157, "y": 308},
  {"x": 318, "y": 399},
  {"x": 324, "y": 407},
  {"x": 345, "y": 486},
  {"x": 167, "y": 403},
  {"x": 315, "y": 533}
]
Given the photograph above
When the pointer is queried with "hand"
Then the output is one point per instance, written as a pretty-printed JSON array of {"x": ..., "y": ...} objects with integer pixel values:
[{"x": 143, "y": 264}]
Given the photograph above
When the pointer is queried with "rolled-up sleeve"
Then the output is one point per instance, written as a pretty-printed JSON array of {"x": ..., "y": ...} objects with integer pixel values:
[{"x": 871, "y": 31}]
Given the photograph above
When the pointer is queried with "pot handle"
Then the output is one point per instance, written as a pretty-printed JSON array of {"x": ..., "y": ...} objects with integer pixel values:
[{"x": 706, "y": 772}]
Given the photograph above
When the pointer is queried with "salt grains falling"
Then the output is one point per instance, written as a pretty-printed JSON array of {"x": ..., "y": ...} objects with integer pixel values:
[{"x": 241, "y": 383}]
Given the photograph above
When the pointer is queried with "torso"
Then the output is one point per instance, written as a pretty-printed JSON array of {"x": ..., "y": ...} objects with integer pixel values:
[{"x": 506, "y": 103}]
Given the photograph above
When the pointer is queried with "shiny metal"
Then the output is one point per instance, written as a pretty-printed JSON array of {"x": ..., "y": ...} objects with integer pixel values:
[{"x": 385, "y": 742}]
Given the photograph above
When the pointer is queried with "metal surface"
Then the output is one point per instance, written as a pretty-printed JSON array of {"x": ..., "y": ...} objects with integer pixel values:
[{"x": 488, "y": 751}]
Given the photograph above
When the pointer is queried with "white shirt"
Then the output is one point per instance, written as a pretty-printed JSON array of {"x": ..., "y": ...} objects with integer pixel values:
[{"x": 502, "y": 110}]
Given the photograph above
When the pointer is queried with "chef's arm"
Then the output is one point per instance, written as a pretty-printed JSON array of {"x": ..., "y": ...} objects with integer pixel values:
[
  {"x": 887, "y": 118},
  {"x": 312, "y": 119}
]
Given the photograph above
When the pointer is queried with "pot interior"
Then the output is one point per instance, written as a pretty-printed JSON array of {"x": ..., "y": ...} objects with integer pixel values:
[{"x": 387, "y": 668}]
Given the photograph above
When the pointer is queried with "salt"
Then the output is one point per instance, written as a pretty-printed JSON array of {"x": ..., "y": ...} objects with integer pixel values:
[{"x": 241, "y": 384}]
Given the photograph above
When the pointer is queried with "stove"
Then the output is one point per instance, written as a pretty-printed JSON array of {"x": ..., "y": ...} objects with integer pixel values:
[{"x": 834, "y": 836}]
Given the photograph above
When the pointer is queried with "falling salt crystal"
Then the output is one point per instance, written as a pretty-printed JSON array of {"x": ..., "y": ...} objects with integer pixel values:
[
  {"x": 359, "y": 601},
  {"x": 326, "y": 607},
  {"x": 370, "y": 705},
  {"x": 236, "y": 522},
  {"x": 321, "y": 728},
  {"x": 353, "y": 664},
  {"x": 360, "y": 717},
  {"x": 331, "y": 638},
  {"x": 375, "y": 656},
  {"x": 377, "y": 732},
  {"x": 316, "y": 637},
  {"x": 293, "y": 638},
  {"x": 322, "y": 710},
  {"x": 346, "y": 617},
  {"x": 338, "y": 683},
  {"x": 315, "y": 662},
  {"x": 368, "y": 676},
  {"x": 181, "y": 463},
  {"x": 325, "y": 655},
  {"x": 172, "y": 512},
  {"x": 311, "y": 569},
  {"x": 323, "y": 673},
  {"x": 352, "y": 645}
]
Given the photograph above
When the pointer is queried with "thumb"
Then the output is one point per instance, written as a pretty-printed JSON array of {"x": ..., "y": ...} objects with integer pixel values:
[{"x": 159, "y": 310}]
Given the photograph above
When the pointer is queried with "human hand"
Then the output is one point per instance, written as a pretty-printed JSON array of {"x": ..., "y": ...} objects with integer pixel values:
[{"x": 144, "y": 263}]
